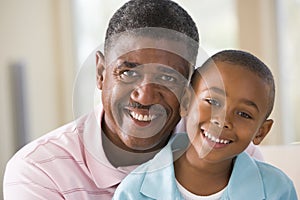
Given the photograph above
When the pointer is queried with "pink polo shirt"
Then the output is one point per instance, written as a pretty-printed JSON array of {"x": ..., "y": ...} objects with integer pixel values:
[
  {"x": 68, "y": 163},
  {"x": 58, "y": 166}
]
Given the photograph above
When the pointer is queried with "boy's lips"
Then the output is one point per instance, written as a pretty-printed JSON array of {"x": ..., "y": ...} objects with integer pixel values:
[{"x": 219, "y": 142}]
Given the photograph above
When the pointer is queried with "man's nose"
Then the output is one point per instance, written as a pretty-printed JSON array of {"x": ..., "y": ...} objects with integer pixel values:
[{"x": 146, "y": 94}]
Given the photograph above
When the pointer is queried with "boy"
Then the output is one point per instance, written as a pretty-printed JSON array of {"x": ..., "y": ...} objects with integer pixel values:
[{"x": 223, "y": 118}]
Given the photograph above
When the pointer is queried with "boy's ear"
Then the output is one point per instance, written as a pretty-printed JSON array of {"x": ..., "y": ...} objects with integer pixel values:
[
  {"x": 100, "y": 71},
  {"x": 263, "y": 131},
  {"x": 185, "y": 101}
]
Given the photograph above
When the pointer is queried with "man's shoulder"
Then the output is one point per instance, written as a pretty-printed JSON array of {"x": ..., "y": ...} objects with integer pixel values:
[
  {"x": 51, "y": 159},
  {"x": 57, "y": 146},
  {"x": 63, "y": 140},
  {"x": 48, "y": 144}
]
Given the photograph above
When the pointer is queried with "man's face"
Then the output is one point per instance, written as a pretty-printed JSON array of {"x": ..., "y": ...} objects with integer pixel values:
[{"x": 141, "y": 93}]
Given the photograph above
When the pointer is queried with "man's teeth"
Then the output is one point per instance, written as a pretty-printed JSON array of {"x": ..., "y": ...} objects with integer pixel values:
[
  {"x": 140, "y": 117},
  {"x": 214, "y": 139}
]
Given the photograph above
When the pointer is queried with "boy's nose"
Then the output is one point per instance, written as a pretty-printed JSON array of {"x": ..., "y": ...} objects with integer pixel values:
[
  {"x": 146, "y": 94},
  {"x": 223, "y": 122}
]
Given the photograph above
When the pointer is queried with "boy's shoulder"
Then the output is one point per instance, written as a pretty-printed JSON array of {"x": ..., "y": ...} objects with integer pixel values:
[
  {"x": 273, "y": 176},
  {"x": 262, "y": 179}
]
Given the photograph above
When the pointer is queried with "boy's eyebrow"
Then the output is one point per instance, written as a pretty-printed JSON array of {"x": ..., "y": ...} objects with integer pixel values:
[
  {"x": 217, "y": 90},
  {"x": 222, "y": 92},
  {"x": 250, "y": 103}
]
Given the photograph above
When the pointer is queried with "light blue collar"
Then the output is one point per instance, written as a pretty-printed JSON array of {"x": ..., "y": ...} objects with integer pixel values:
[
  {"x": 245, "y": 181},
  {"x": 161, "y": 168}
]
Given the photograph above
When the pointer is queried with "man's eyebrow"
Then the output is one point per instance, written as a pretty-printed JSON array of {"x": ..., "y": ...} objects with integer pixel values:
[
  {"x": 167, "y": 70},
  {"x": 128, "y": 64}
]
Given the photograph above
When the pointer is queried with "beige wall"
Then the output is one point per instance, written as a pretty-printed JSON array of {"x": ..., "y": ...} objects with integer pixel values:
[
  {"x": 37, "y": 33},
  {"x": 258, "y": 34}
]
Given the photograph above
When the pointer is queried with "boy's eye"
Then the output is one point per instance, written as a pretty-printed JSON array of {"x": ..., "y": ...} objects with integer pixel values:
[
  {"x": 213, "y": 102},
  {"x": 244, "y": 115}
]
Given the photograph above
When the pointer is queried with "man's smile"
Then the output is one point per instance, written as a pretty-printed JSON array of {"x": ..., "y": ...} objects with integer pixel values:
[{"x": 141, "y": 117}]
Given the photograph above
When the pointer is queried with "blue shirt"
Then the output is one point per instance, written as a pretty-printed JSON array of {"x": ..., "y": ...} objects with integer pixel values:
[{"x": 250, "y": 179}]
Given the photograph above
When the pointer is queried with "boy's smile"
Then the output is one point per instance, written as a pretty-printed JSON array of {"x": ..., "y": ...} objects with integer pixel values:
[
  {"x": 232, "y": 113},
  {"x": 217, "y": 142}
]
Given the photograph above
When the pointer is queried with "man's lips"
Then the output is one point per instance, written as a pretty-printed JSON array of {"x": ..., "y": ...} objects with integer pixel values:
[
  {"x": 142, "y": 117},
  {"x": 143, "y": 113}
]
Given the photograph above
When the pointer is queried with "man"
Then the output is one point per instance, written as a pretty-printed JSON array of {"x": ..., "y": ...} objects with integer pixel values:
[{"x": 150, "y": 50}]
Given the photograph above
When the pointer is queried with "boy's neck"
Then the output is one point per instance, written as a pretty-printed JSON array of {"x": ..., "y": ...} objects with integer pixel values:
[{"x": 199, "y": 176}]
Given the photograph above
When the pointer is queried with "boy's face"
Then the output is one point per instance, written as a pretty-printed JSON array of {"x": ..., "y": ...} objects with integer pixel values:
[{"x": 224, "y": 119}]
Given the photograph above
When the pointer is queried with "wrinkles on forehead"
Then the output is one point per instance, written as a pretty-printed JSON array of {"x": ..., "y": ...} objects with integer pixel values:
[{"x": 155, "y": 38}]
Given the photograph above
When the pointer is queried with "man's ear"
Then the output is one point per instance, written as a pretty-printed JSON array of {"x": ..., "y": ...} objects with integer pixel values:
[
  {"x": 185, "y": 101},
  {"x": 100, "y": 71},
  {"x": 263, "y": 131}
]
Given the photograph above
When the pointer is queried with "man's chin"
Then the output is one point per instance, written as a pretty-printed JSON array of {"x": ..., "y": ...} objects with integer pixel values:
[{"x": 142, "y": 145}]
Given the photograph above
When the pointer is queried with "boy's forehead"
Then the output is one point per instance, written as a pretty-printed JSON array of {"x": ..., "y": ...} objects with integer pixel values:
[{"x": 208, "y": 76}]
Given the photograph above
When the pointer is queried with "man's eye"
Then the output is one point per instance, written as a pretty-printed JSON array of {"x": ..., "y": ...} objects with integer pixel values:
[
  {"x": 168, "y": 78},
  {"x": 129, "y": 73},
  {"x": 244, "y": 115},
  {"x": 129, "y": 76},
  {"x": 213, "y": 102}
]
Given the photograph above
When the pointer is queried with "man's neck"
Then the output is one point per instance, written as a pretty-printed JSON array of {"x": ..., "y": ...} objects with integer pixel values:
[{"x": 119, "y": 157}]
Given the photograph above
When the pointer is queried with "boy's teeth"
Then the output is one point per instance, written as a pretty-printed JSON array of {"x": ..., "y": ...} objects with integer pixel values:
[
  {"x": 214, "y": 139},
  {"x": 140, "y": 117}
]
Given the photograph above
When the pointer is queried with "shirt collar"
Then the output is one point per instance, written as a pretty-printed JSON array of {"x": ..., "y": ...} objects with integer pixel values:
[
  {"x": 161, "y": 168},
  {"x": 245, "y": 179},
  {"x": 245, "y": 176},
  {"x": 103, "y": 173}
]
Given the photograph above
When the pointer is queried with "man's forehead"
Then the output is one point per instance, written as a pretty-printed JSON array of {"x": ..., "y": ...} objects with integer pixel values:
[
  {"x": 152, "y": 55},
  {"x": 126, "y": 44}
]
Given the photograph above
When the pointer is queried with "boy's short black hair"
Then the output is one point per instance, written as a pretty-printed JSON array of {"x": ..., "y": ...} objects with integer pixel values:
[{"x": 248, "y": 61}]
